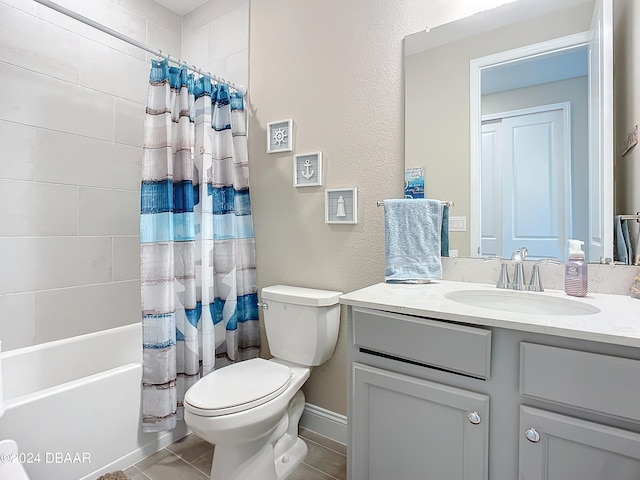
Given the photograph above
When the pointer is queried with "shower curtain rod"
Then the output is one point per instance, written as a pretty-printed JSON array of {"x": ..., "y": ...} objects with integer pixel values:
[{"x": 131, "y": 41}]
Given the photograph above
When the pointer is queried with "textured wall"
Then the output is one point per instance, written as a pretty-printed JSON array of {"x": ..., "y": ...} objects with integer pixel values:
[{"x": 335, "y": 67}]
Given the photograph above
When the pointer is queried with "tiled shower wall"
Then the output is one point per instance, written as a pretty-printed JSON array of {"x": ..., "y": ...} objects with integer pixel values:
[{"x": 71, "y": 125}]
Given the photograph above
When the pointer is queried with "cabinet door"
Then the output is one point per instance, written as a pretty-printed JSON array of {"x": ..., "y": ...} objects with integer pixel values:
[
  {"x": 405, "y": 428},
  {"x": 557, "y": 447}
]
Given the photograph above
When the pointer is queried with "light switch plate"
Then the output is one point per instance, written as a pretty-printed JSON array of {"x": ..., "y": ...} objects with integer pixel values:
[{"x": 457, "y": 224}]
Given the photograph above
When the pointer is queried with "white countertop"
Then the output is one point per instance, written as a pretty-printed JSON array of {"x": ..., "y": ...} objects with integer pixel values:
[{"x": 618, "y": 321}]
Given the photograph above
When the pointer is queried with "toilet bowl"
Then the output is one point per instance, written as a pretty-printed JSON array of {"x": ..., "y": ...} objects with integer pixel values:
[
  {"x": 250, "y": 410},
  {"x": 10, "y": 466}
]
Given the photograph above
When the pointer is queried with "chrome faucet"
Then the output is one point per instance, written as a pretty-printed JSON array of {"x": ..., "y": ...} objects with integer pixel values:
[{"x": 517, "y": 257}]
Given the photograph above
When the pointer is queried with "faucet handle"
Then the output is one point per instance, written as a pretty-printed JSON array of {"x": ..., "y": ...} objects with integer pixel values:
[
  {"x": 519, "y": 255},
  {"x": 535, "y": 284},
  {"x": 503, "y": 280}
]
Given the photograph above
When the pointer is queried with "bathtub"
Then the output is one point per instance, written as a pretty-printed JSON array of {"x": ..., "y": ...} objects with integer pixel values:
[{"x": 73, "y": 405}]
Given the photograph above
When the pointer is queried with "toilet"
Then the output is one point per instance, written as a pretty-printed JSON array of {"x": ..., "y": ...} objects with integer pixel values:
[
  {"x": 10, "y": 466},
  {"x": 250, "y": 410}
]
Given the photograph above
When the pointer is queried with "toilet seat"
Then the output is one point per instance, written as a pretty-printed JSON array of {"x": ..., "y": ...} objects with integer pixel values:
[{"x": 237, "y": 387}]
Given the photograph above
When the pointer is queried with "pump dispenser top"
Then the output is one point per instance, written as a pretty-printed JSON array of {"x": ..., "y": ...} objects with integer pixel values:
[{"x": 576, "y": 276}]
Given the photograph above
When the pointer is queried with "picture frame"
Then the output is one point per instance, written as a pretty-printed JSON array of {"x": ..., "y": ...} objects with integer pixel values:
[
  {"x": 307, "y": 169},
  {"x": 280, "y": 136},
  {"x": 341, "y": 205}
]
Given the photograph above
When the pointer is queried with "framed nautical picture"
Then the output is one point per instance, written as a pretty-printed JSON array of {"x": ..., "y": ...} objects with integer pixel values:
[
  {"x": 341, "y": 205},
  {"x": 307, "y": 169},
  {"x": 280, "y": 136}
]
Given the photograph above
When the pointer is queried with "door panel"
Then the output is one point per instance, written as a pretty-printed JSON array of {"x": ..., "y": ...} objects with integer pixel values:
[
  {"x": 570, "y": 448},
  {"x": 405, "y": 428}
]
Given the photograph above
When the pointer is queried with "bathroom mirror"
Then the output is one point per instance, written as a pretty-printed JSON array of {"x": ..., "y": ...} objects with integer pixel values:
[{"x": 506, "y": 84}]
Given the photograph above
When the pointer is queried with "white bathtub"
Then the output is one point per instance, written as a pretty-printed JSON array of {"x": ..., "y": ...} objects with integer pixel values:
[{"x": 73, "y": 405}]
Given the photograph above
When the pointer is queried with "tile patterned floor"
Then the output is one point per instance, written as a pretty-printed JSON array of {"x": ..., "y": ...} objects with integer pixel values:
[{"x": 190, "y": 459}]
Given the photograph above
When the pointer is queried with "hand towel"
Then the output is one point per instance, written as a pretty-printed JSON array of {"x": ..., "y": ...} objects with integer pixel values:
[
  {"x": 412, "y": 240},
  {"x": 622, "y": 251},
  {"x": 444, "y": 232}
]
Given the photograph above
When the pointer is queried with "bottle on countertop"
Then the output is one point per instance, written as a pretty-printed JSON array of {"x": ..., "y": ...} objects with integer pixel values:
[{"x": 576, "y": 275}]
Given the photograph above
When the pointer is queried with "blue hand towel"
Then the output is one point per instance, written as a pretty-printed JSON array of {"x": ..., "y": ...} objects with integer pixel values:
[
  {"x": 444, "y": 232},
  {"x": 623, "y": 252},
  {"x": 412, "y": 240}
]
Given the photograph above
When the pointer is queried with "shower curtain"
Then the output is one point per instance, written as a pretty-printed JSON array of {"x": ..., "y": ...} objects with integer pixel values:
[{"x": 197, "y": 255}]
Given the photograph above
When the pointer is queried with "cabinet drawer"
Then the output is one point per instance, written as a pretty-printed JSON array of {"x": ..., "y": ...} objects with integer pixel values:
[
  {"x": 453, "y": 347},
  {"x": 590, "y": 381}
]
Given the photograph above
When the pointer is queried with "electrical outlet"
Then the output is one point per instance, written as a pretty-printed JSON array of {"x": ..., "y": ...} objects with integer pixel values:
[{"x": 457, "y": 224}]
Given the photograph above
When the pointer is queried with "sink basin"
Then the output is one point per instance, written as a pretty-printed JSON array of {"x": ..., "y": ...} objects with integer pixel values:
[{"x": 520, "y": 302}]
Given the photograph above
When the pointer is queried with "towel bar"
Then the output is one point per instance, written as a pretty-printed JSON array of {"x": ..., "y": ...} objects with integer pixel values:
[
  {"x": 635, "y": 217},
  {"x": 449, "y": 203}
]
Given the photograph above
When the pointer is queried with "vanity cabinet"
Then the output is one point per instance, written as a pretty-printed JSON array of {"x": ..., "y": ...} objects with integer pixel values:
[
  {"x": 403, "y": 425},
  {"x": 410, "y": 428},
  {"x": 444, "y": 400}
]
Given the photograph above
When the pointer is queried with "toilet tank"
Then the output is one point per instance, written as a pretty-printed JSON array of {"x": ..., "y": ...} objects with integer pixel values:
[{"x": 301, "y": 323}]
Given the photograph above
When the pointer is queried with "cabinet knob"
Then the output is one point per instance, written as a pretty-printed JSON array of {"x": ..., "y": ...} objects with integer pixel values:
[
  {"x": 474, "y": 418},
  {"x": 532, "y": 435}
]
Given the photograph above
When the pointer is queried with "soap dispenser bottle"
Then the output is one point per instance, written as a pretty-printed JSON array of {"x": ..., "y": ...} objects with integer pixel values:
[{"x": 576, "y": 276}]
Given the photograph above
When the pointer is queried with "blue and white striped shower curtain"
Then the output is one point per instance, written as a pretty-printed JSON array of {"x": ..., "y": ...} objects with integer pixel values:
[{"x": 197, "y": 255}]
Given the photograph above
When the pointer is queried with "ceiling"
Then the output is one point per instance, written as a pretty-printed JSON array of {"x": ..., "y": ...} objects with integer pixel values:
[{"x": 181, "y": 7}]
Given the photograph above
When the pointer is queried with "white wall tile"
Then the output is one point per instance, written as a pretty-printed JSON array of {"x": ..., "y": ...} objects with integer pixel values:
[
  {"x": 233, "y": 68},
  {"x": 213, "y": 10},
  {"x": 229, "y": 34},
  {"x": 39, "y": 100},
  {"x": 105, "y": 12},
  {"x": 17, "y": 152},
  {"x": 165, "y": 40},
  {"x": 195, "y": 46},
  {"x": 109, "y": 212},
  {"x": 31, "y": 209},
  {"x": 111, "y": 72},
  {"x": 74, "y": 160},
  {"x": 129, "y": 127},
  {"x": 126, "y": 258},
  {"x": 154, "y": 12},
  {"x": 29, "y": 42},
  {"x": 29, "y": 7},
  {"x": 16, "y": 321},
  {"x": 67, "y": 312},
  {"x": 42, "y": 263}
]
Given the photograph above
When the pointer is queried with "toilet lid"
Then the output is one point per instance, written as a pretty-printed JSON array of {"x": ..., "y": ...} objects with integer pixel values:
[{"x": 237, "y": 387}]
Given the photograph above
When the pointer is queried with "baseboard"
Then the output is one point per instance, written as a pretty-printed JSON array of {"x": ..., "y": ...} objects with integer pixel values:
[{"x": 325, "y": 422}]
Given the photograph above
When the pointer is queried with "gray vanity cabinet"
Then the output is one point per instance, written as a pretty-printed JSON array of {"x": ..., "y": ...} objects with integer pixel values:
[
  {"x": 403, "y": 425},
  {"x": 558, "y": 447},
  {"x": 409, "y": 428},
  {"x": 443, "y": 400}
]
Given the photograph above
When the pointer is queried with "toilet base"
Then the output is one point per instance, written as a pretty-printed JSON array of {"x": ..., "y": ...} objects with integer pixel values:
[
  {"x": 291, "y": 459},
  {"x": 273, "y": 459}
]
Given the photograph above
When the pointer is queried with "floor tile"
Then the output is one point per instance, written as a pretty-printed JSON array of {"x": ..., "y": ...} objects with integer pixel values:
[
  {"x": 190, "y": 447},
  {"x": 135, "y": 474},
  {"x": 305, "y": 472},
  {"x": 164, "y": 465},
  {"x": 328, "y": 461},
  {"x": 324, "y": 441},
  {"x": 203, "y": 462}
]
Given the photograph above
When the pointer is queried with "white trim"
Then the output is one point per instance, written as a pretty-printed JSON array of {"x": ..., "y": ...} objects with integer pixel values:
[
  {"x": 325, "y": 422},
  {"x": 475, "y": 115}
]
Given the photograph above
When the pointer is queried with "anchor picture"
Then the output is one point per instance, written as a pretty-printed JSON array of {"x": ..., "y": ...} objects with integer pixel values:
[
  {"x": 308, "y": 172},
  {"x": 307, "y": 169}
]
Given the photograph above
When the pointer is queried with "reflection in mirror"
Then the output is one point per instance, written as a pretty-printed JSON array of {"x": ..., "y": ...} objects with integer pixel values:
[
  {"x": 547, "y": 201},
  {"x": 533, "y": 156}
]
